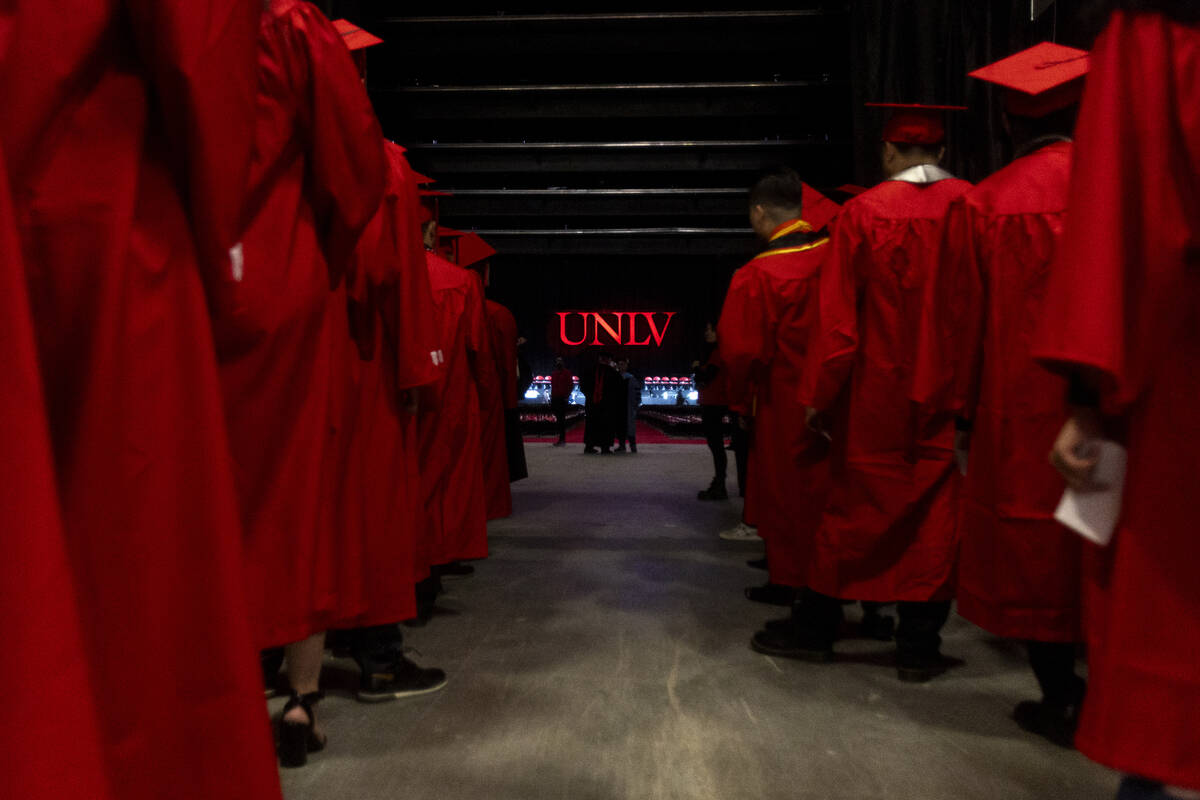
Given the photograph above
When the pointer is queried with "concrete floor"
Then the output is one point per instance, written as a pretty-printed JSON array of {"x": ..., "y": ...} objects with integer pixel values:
[{"x": 602, "y": 652}]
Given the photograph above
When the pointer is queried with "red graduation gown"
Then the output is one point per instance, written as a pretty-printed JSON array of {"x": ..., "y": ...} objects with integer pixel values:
[
  {"x": 1124, "y": 301},
  {"x": 763, "y": 333},
  {"x": 39, "y": 605},
  {"x": 132, "y": 399},
  {"x": 1019, "y": 570},
  {"x": 449, "y": 424},
  {"x": 317, "y": 178},
  {"x": 888, "y": 532},
  {"x": 502, "y": 340},
  {"x": 379, "y": 489}
]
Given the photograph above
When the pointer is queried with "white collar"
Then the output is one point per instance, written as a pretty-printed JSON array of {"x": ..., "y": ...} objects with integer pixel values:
[{"x": 922, "y": 173}]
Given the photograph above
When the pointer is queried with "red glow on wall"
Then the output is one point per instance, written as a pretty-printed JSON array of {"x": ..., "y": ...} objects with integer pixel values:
[{"x": 605, "y": 328}]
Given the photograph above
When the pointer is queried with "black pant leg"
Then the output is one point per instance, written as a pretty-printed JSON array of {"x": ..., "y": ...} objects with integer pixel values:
[
  {"x": 740, "y": 441},
  {"x": 920, "y": 627},
  {"x": 558, "y": 405},
  {"x": 818, "y": 616},
  {"x": 714, "y": 436},
  {"x": 1053, "y": 664}
]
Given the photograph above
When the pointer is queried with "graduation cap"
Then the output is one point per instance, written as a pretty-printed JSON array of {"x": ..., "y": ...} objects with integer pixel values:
[
  {"x": 1045, "y": 78},
  {"x": 472, "y": 249},
  {"x": 355, "y": 37},
  {"x": 916, "y": 123},
  {"x": 428, "y": 197},
  {"x": 818, "y": 210}
]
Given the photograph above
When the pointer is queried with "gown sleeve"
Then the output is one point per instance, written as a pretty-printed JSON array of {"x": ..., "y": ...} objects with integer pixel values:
[
  {"x": 949, "y": 353},
  {"x": 834, "y": 338},
  {"x": 201, "y": 58},
  {"x": 743, "y": 338},
  {"x": 344, "y": 142},
  {"x": 1133, "y": 221}
]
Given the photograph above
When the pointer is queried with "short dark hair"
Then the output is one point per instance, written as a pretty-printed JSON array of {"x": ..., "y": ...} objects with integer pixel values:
[{"x": 779, "y": 188}]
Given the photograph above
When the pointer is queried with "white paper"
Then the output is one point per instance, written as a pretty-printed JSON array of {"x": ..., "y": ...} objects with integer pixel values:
[{"x": 1094, "y": 515}]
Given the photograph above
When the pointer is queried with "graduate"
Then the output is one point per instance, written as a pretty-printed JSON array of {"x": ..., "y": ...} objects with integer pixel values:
[
  {"x": 391, "y": 355},
  {"x": 281, "y": 330},
  {"x": 1018, "y": 568},
  {"x": 603, "y": 391},
  {"x": 763, "y": 332},
  {"x": 449, "y": 426},
  {"x": 127, "y": 135},
  {"x": 473, "y": 253},
  {"x": 1119, "y": 319},
  {"x": 888, "y": 533}
]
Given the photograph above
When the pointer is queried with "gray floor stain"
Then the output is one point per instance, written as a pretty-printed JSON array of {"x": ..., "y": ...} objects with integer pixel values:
[{"x": 602, "y": 653}]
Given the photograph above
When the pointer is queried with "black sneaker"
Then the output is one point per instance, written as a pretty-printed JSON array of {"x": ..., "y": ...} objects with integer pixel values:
[
  {"x": 1056, "y": 723},
  {"x": 772, "y": 594},
  {"x": 590, "y": 451},
  {"x": 757, "y": 563},
  {"x": 402, "y": 678},
  {"x": 784, "y": 625},
  {"x": 714, "y": 492},
  {"x": 792, "y": 644}
]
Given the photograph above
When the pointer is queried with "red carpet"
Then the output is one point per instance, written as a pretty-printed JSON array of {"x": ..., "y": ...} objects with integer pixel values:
[{"x": 646, "y": 434}]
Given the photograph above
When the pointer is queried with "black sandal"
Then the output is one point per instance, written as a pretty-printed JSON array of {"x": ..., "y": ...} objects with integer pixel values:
[{"x": 297, "y": 740}]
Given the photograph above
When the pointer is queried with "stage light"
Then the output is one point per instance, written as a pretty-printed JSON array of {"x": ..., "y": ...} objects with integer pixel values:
[
  {"x": 693, "y": 396},
  {"x": 532, "y": 394}
]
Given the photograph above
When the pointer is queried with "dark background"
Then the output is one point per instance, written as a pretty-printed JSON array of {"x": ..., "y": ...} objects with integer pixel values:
[{"x": 606, "y": 152}]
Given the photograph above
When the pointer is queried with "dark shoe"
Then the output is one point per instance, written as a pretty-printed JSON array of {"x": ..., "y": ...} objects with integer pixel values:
[
  {"x": 402, "y": 678},
  {"x": 757, "y": 563},
  {"x": 620, "y": 449},
  {"x": 714, "y": 492},
  {"x": 605, "y": 451},
  {"x": 786, "y": 624},
  {"x": 791, "y": 644},
  {"x": 633, "y": 448},
  {"x": 912, "y": 668},
  {"x": 296, "y": 740},
  {"x": 590, "y": 451},
  {"x": 560, "y": 443},
  {"x": 455, "y": 569},
  {"x": 877, "y": 627},
  {"x": 772, "y": 594},
  {"x": 1055, "y": 723}
]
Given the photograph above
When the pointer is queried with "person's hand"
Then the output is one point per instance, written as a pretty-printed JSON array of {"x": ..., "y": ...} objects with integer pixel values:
[
  {"x": 1076, "y": 451},
  {"x": 815, "y": 421},
  {"x": 962, "y": 449}
]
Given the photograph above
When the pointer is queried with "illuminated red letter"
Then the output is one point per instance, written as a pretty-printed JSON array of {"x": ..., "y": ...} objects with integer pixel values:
[
  {"x": 633, "y": 318},
  {"x": 658, "y": 335},
  {"x": 562, "y": 328},
  {"x": 599, "y": 323}
]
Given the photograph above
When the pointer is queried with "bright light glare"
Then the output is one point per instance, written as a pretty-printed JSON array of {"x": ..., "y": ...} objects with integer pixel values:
[
  {"x": 693, "y": 395},
  {"x": 532, "y": 394}
]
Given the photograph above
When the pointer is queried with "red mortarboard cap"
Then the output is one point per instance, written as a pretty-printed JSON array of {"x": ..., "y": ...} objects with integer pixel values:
[
  {"x": 1041, "y": 80},
  {"x": 817, "y": 209},
  {"x": 472, "y": 249},
  {"x": 914, "y": 123},
  {"x": 355, "y": 37}
]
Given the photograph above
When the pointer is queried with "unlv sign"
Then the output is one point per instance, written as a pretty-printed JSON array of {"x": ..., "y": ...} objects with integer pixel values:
[{"x": 627, "y": 328}]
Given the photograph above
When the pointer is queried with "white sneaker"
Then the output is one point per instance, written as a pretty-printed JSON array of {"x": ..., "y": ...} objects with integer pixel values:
[{"x": 741, "y": 533}]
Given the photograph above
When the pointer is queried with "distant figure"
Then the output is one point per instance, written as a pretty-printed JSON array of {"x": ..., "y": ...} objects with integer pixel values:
[
  {"x": 627, "y": 426},
  {"x": 562, "y": 383},
  {"x": 680, "y": 399},
  {"x": 602, "y": 388}
]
